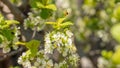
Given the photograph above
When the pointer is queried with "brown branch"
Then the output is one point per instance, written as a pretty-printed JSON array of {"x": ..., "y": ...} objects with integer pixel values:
[
  {"x": 4, "y": 56},
  {"x": 24, "y": 4},
  {"x": 14, "y": 10},
  {"x": 25, "y": 7},
  {"x": 1, "y": 7}
]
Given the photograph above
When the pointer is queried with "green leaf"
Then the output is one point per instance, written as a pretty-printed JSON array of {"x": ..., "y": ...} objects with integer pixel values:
[
  {"x": 60, "y": 24},
  {"x": 39, "y": 5},
  {"x": 51, "y": 6},
  {"x": 45, "y": 2},
  {"x": 33, "y": 46},
  {"x": 29, "y": 24},
  {"x": 8, "y": 34},
  {"x": 9, "y": 22},
  {"x": 52, "y": 23},
  {"x": 115, "y": 31},
  {"x": 20, "y": 43},
  {"x": 66, "y": 24},
  {"x": 60, "y": 20},
  {"x": 1, "y": 18},
  {"x": 46, "y": 13},
  {"x": 4, "y": 26},
  {"x": 34, "y": 3},
  {"x": 48, "y": 1},
  {"x": 28, "y": 54}
]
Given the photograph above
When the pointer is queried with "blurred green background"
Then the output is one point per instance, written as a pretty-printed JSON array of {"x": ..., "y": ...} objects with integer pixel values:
[{"x": 96, "y": 30}]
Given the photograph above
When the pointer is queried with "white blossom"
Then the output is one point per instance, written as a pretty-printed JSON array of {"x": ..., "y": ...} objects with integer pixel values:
[
  {"x": 69, "y": 41},
  {"x": 50, "y": 63},
  {"x": 6, "y": 49},
  {"x": 69, "y": 33},
  {"x": 56, "y": 65},
  {"x": 36, "y": 64},
  {"x": 20, "y": 60},
  {"x": 15, "y": 47},
  {"x": 59, "y": 40},
  {"x": 65, "y": 3},
  {"x": 64, "y": 54},
  {"x": 27, "y": 64}
]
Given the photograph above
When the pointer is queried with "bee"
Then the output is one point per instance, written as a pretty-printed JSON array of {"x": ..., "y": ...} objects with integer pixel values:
[{"x": 67, "y": 12}]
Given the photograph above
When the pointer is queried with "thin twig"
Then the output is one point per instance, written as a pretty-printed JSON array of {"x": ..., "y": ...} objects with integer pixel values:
[{"x": 34, "y": 32}]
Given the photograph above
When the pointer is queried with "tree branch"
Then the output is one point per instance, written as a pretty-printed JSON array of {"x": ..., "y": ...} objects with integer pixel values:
[
  {"x": 24, "y": 4},
  {"x": 4, "y": 56},
  {"x": 14, "y": 10}
]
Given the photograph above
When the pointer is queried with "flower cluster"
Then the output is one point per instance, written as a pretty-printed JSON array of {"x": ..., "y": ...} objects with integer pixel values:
[
  {"x": 8, "y": 34},
  {"x": 39, "y": 61},
  {"x": 34, "y": 22},
  {"x": 62, "y": 42},
  {"x": 8, "y": 44}
]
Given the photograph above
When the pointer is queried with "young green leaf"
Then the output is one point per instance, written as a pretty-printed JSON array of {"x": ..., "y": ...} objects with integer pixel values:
[
  {"x": 46, "y": 13},
  {"x": 8, "y": 34},
  {"x": 60, "y": 20},
  {"x": 39, "y": 5},
  {"x": 1, "y": 18},
  {"x": 33, "y": 46},
  {"x": 20, "y": 43},
  {"x": 34, "y": 3},
  {"x": 60, "y": 23},
  {"x": 51, "y": 6},
  {"x": 51, "y": 23},
  {"x": 65, "y": 24},
  {"x": 9, "y": 22}
]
